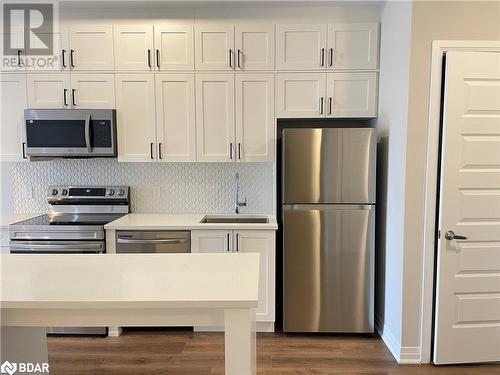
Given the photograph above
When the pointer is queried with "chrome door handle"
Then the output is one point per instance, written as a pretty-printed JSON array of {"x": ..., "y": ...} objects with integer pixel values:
[
  {"x": 87, "y": 133},
  {"x": 450, "y": 235},
  {"x": 152, "y": 241}
]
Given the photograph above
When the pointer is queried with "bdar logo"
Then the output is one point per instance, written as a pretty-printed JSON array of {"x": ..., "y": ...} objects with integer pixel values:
[{"x": 8, "y": 368}]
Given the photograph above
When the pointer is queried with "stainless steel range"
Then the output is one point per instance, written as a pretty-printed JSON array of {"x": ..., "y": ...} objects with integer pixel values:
[
  {"x": 75, "y": 221},
  {"x": 74, "y": 225}
]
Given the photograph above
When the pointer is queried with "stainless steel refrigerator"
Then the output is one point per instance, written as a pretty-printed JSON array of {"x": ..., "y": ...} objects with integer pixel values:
[{"x": 328, "y": 197}]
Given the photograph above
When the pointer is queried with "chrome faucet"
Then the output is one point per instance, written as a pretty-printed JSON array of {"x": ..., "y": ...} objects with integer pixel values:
[{"x": 237, "y": 203}]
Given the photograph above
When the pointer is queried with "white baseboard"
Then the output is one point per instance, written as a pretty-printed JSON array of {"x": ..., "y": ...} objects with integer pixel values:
[
  {"x": 260, "y": 327},
  {"x": 114, "y": 331},
  {"x": 404, "y": 355},
  {"x": 409, "y": 355}
]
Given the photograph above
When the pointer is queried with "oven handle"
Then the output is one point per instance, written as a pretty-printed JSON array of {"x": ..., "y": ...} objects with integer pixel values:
[
  {"x": 87, "y": 132},
  {"x": 67, "y": 247},
  {"x": 156, "y": 241}
]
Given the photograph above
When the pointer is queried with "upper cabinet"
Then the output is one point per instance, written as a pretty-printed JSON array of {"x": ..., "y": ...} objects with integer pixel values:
[
  {"x": 174, "y": 47},
  {"x": 133, "y": 47},
  {"x": 214, "y": 45},
  {"x": 91, "y": 47},
  {"x": 254, "y": 46},
  {"x": 335, "y": 46}
]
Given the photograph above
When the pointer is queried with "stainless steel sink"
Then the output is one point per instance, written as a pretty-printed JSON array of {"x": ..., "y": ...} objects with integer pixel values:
[{"x": 234, "y": 219}]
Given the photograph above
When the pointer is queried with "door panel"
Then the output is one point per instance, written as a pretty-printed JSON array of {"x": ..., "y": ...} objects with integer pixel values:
[
  {"x": 175, "y": 46},
  {"x": 301, "y": 47},
  {"x": 353, "y": 45},
  {"x": 175, "y": 116},
  {"x": 328, "y": 260},
  {"x": 468, "y": 270},
  {"x": 300, "y": 95},
  {"x": 211, "y": 241},
  {"x": 133, "y": 47},
  {"x": 215, "y": 117},
  {"x": 135, "y": 115},
  {"x": 96, "y": 91},
  {"x": 214, "y": 46},
  {"x": 255, "y": 117},
  {"x": 12, "y": 128},
  {"x": 329, "y": 165},
  {"x": 93, "y": 47},
  {"x": 254, "y": 47},
  {"x": 47, "y": 90}
]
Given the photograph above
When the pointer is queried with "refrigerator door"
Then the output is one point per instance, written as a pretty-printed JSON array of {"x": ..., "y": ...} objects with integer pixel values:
[
  {"x": 328, "y": 265},
  {"x": 329, "y": 165}
]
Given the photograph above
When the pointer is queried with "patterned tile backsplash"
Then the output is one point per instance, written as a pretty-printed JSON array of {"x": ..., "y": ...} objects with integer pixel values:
[{"x": 155, "y": 187}]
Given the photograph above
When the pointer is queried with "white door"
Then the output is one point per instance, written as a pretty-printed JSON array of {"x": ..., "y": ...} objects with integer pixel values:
[
  {"x": 96, "y": 91},
  {"x": 351, "y": 95},
  {"x": 175, "y": 117},
  {"x": 262, "y": 242},
  {"x": 353, "y": 45},
  {"x": 301, "y": 47},
  {"x": 254, "y": 47},
  {"x": 48, "y": 90},
  {"x": 255, "y": 117},
  {"x": 91, "y": 47},
  {"x": 135, "y": 115},
  {"x": 133, "y": 47},
  {"x": 300, "y": 94},
  {"x": 215, "y": 117},
  {"x": 174, "y": 47},
  {"x": 467, "y": 325},
  {"x": 211, "y": 241},
  {"x": 13, "y": 103},
  {"x": 214, "y": 46}
]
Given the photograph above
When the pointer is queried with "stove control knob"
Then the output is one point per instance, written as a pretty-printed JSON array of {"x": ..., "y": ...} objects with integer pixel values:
[
  {"x": 64, "y": 192},
  {"x": 54, "y": 191},
  {"x": 121, "y": 192},
  {"x": 111, "y": 192}
]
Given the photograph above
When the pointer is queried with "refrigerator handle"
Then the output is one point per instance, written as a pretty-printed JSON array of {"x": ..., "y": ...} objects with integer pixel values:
[{"x": 290, "y": 207}]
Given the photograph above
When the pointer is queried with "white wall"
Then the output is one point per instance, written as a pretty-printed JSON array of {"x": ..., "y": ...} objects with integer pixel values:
[{"x": 391, "y": 128}]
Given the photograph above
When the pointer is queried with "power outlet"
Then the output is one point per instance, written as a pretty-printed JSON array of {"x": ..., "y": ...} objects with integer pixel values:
[{"x": 27, "y": 192}]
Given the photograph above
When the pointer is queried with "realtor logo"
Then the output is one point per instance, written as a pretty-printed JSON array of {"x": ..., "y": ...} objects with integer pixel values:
[
  {"x": 8, "y": 368},
  {"x": 28, "y": 27}
]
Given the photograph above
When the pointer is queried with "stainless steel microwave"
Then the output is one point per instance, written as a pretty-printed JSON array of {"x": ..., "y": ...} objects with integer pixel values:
[{"x": 70, "y": 132}]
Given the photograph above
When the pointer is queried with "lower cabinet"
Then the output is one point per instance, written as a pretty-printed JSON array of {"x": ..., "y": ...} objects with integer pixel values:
[{"x": 245, "y": 241}]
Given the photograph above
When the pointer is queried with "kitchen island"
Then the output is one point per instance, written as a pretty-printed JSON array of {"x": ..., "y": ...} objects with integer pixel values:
[{"x": 133, "y": 290}]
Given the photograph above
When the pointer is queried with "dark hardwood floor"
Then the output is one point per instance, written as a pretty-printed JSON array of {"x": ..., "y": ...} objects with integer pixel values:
[{"x": 179, "y": 352}]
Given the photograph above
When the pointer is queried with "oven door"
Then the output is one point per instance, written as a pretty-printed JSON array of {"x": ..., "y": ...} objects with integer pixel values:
[
  {"x": 57, "y": 247},
  {"x": 70, "y": 133}
]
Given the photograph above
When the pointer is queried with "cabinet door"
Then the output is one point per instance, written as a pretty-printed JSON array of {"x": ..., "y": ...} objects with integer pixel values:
[
  {"x": 135, "y": 114},
  {"x": 13, "y": 104},
  {"x": 174, "y": 47},
  {"x": 60, "y": 52},
  {"x": 352, "y": 95},
  {"x": 48, "y": 90},
  {"x": 353, "y": 45},
  {"x": 175, "y": 116},
  {"x": 92, "y": 47},
  {"x": 262, "y": 242},
  {"x": 133, "y": 47},
  {"x": 92, "y": 90},
  {"x": 300, "y": 94},
  {"x": 254, "y": 47},
  {"x": 255, "y": 117},
  {"x": 301, "y": 47},
  {"x": 17, "y": 61},
  {"x": 211, "y": 241},
  {"x": 215, "y": 117},
  {"x": 214, "y": 46}
]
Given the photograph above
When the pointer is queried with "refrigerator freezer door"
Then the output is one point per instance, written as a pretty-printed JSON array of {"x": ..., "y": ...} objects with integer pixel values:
[
  {"x": 328, "y": 265},
  {"x": 329, "y": 165}
]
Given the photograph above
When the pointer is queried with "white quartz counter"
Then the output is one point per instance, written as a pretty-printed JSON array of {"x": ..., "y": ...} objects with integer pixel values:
[
  {"x": 7, "y": 219},
  {"x": 180, "y": 222}
]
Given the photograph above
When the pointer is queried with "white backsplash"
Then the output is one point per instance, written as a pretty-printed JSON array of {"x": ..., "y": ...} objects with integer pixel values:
[{"x": 155, "y": 187}]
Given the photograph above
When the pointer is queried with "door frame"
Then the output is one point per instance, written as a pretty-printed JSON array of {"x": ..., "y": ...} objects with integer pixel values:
[{"x": 439, "y": 48}]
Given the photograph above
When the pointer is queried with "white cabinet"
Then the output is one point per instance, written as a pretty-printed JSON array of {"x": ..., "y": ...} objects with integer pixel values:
[
  {"x": 245, "y": 241},
  {"x": 96, "y": 91},
  {"x": 174, "y": 47},
  {"x": 135, "y": 114},
  {"x": 91, "y": 47},
  {"x": 353, "y": 45},
  {"x": 49, "y": 90},
  {"x": 351, "y": 95},
  {"x": 300, "y": 95},
  {"x": 133, "y": 45},
  {"x": 175, "y": 117},
  {"x": 254, "y": 46},
  {"x": 214, "y": 45},
  {"x": 15, "y": 62},
  {"x": 215, "y": 117},
  {"x": 13, "y": 103},
  {"x": 301, "y": 47},
  {"x": 255, "y": 135}
]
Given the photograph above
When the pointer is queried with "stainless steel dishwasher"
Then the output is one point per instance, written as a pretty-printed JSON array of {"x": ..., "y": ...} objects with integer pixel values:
[{"x": 132, "y": 241}]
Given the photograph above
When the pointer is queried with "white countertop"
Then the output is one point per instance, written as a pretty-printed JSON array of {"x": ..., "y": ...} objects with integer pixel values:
[
  {"x": 7, "y": 219},
  {"x": 129, "y": 281},
  {"x": 180, "y": 222}
]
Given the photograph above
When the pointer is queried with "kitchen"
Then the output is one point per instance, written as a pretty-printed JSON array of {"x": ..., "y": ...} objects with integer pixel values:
[{"x": 198, "y": 105}]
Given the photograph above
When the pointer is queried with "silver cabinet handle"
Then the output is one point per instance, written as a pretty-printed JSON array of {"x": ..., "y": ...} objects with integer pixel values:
[
  {"x": 237, "y": 242},
  {"x": 321, "y": 100},
  {"x": 239, "y": 151},
  {"x": 228, "y": 239},
  {"x": 331, "y": 56},
  {"x": 231, "y": 150},
  {"x": 65, "y": 98},
  {"x": 158, "y": 58},
  {"x": 72, "y": 58},
  {"x": 330, "y": 105},
  {"x": 63, "y": 62},
  {"x": 322, "y": 57},
  {"x": 450, "y": 235},
  {"x": 160, "y": 151},
  {"x": 19, "y": 57},
  {"x": 239, "y": 62},
  {"x": 230, "y": 58},
  {"x": 87, "y": 133},
  {"x": 152, "y": 241},
  {"x": 24, "y": 150},
  {"x": 149, "y": 58},
  {"x": 151, "y": 150}
]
